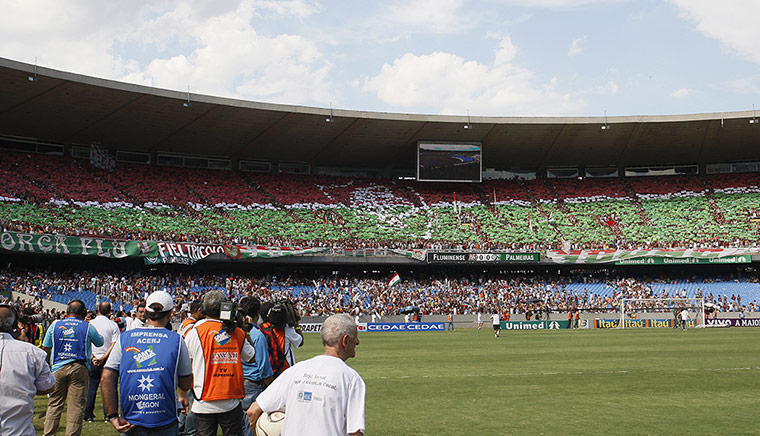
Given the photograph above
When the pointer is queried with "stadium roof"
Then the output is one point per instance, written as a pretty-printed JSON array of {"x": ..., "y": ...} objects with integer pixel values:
[{"x": 76, "y": 109}]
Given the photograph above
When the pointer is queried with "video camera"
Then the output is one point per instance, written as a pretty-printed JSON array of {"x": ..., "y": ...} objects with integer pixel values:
[
  {"x": 237, "y": 314},
  {"x": 283, "y": 313},
  {"x": 32, "y": 319}
]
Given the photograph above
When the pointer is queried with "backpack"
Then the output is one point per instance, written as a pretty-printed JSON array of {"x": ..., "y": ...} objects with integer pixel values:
[{"x": 276, "y": 353}]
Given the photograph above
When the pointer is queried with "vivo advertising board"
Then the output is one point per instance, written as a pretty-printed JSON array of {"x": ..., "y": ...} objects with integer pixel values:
[{"x": 733, "y": 322}]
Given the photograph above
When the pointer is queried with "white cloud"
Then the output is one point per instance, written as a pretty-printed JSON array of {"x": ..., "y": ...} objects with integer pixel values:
[
  {"x": 611, "y": 87},
  {"x": 682, "y": 92},
  {"x": 298, "y": 8},
  {"x": 210, "y": 46},
  {"x": 451, "y": 84},
  {"x": 576, "y": 47},
  {"x": 732, "y": 22},
  {"x": 433, "y": 16},
  {"x": 556, "y": 4},
  {"x": 231, "y": 59}
]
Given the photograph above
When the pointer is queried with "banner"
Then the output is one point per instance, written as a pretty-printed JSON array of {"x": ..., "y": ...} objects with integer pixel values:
[
  {"x": 152, "y": 252},
  {"x": 406, "y": 327},
  {"x": 266, "y": 252},
  {"x": 684, "y": 260},
  {"x": 417, "y": 254},
  {"x": 534, "y": 325},
  {"x": 72, "y": 245},
  {"x": 740, "y": 255},
  {"x": 638, "y": 323},
  {"x": 182, "y": 253},
  {"x": 481, "y": 257},
  {"x": 313, "y": 327},
  {"x": 733, "y": 322}
]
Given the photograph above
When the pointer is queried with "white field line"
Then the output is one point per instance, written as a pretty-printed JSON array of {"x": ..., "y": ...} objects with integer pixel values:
[{"x": 533, "y": 374}]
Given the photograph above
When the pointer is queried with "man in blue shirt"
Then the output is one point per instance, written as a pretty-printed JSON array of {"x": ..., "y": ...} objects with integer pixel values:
[
  {"x": 150, "y": 363},
  {"x": 69, "y": 344},
  {"x": 258, "y": 375}
]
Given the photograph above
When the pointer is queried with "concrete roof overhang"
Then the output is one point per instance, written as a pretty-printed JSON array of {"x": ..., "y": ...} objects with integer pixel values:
[{"x": 75, "y": 109}]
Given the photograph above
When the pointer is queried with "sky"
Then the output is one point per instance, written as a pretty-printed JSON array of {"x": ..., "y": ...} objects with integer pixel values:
[{"x": 488, "y": 57}]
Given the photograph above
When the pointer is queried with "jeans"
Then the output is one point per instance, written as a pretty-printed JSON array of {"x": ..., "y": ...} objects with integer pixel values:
[
  {"x": 166, "y": 430},
  {"x": 89, "y": 409},
  {"x": 231, "y": 422},
  {"x": 252, "y": 391},
  {"x": 187, "y": 426}
]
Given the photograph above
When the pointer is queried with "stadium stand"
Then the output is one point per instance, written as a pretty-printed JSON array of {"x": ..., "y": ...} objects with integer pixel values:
[
  {"x": 434, "y": 293},
  {"x": 178, "y": 204}
]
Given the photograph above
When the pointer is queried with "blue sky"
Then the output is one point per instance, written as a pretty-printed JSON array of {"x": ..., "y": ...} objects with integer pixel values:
[{"x": 491, "y": 57}]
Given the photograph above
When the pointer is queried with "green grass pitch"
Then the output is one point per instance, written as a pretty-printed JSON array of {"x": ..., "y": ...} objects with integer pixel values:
[{"x": 581, "y": 382}]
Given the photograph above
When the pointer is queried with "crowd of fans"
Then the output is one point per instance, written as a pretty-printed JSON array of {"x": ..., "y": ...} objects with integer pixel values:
[
  {"x": 204, "y": 206},
  {"x": 364, "y": 294}
]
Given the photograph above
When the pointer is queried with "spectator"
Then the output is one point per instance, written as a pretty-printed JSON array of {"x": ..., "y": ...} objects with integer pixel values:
[{"x": 139, "y": 320}]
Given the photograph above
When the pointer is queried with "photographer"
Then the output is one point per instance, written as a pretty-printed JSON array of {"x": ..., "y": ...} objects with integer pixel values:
[
  {"x": 216, "y": 347},
  {"x": 283, "y": 333},
  {"x": 29, "y": 325}
]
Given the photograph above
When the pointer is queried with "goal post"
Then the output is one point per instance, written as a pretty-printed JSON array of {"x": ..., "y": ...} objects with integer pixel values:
[{"x": 630, "y": 308}]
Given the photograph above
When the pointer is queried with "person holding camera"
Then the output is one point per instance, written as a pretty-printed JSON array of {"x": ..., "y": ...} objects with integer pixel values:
[
  {"x": 69, "y": 342},
  {"x": 150, "y": 363},
  {"x": 218, "y": 349},
  {"x": 322, "y": 396},
  {"x": 283, "y": 334},
  {"x": 24, "y": 373}
]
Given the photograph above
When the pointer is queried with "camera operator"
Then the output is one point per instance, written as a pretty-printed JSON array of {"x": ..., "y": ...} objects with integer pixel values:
[
  {"x": 282, "y": 328},
  {"x": 29, "y": 325},
  {"x": 216, "y": 347}
]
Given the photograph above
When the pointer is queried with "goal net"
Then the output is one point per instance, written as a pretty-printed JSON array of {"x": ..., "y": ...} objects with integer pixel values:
[{"x": 668, "y": 308}]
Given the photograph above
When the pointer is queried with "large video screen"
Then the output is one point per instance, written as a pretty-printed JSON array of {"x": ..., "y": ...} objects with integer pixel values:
[{"x": 449, "y": 162}]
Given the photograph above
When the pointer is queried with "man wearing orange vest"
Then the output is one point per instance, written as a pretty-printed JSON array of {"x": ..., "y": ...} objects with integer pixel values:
[{"x": 217, "y": 350}]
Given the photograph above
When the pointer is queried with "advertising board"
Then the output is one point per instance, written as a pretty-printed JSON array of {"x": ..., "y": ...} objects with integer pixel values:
[
  {"x": 533, "y": 325},
  {"x": 406, "y": 327}
]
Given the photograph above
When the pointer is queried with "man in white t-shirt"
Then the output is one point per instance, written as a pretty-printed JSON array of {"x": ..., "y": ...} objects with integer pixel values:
[
  {"x": 110, "y": 332},
  {"x": 684, "y": 318},
  {"x": 496, "y": 321},
  {"x": 139, "y": 321},
  {"x": 323, "y": 395}
]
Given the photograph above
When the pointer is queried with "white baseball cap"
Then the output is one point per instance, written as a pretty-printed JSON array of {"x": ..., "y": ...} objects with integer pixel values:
[{"x": 161, "y": 297}]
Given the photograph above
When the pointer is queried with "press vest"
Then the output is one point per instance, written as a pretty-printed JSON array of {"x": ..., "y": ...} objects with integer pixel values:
[
  {"x": 223, "y": 375},
  {"x": 147, "y": 372},
  {"x": 187, "y": 324},
  {"x": 70, "y": 340}
]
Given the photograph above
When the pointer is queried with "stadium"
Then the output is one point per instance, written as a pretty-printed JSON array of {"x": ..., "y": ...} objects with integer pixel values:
[{"x": 113, "y": 190}]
